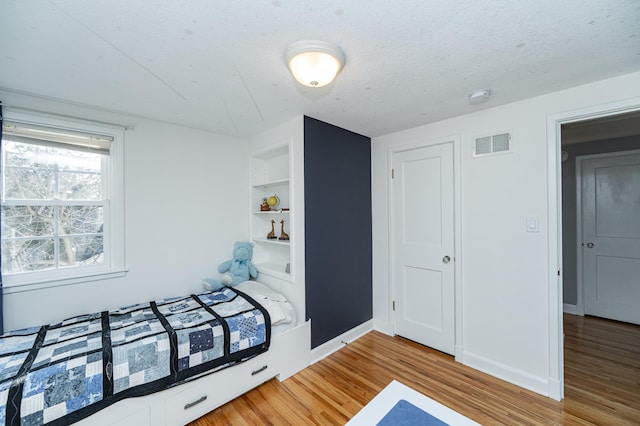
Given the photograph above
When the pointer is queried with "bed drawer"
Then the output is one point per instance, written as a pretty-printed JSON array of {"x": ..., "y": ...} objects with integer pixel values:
[
  {"x": 133, "y": 411},
  {"x": 195, "y": 399}
]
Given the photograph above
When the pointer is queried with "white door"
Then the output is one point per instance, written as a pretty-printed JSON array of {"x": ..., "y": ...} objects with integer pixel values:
[
  {"x": 611, "y": 237},
  {"x": 422, "y": 245}
]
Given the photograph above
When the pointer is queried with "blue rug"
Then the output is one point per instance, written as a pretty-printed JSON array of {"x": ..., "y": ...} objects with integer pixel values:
[
  {"x": 405, "y": 413},
  {"x": 399, "y": 405}
]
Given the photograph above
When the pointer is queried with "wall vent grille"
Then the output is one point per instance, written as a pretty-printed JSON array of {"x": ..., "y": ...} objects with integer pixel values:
[{"x": 499, "y": 143}]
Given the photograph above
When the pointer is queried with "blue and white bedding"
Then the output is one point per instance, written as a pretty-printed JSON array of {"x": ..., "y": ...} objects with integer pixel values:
[{"x": 60, "y": 373}]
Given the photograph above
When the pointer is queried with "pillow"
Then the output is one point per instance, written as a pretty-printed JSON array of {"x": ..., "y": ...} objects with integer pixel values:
[
  {"x": 277, "y": 314},
  {"x": 276, "y": 304},
  {"x": 255, "y": 288}
]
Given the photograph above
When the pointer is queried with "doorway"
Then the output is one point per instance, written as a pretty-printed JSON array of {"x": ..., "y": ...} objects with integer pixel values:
[
  {"x": 565, "y": 130},
  {"x": 611, "y": 135}
]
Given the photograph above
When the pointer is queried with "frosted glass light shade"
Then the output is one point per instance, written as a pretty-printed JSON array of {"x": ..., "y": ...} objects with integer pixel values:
[{"x": 314, "y": 63}]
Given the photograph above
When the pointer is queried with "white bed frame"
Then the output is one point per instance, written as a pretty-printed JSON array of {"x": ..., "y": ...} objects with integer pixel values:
[{"x": 288, "y": 354}]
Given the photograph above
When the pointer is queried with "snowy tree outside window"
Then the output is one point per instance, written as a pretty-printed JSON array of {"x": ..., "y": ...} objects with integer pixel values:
[{"x": 55, "y": 200}]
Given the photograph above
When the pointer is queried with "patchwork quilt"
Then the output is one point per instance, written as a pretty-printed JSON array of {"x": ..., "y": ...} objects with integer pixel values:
[{"x": 60, "y": 373}]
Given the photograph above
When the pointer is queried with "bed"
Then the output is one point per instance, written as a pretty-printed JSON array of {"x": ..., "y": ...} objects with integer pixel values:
[{"x": 66, "y": 372}]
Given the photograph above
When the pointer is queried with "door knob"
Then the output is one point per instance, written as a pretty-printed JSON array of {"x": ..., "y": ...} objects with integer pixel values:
[
  {"x": 590, "y": 245},
  {"x": 446, "y": 259}
]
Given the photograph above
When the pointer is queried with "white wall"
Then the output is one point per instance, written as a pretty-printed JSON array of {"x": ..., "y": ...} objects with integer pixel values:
[
  {"x": 186, "y": 197},
  {"x": 504, "y": 280}
]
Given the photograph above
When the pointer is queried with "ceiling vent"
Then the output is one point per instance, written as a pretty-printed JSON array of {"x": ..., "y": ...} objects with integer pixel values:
[{"x": 499, "y": 143}]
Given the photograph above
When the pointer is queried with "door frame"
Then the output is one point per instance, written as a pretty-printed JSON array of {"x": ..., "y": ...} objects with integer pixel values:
[
  {"x": 580, "y": 305},
  {"x": 554, "y": 233},
  {"x": 457, "y": 235}
]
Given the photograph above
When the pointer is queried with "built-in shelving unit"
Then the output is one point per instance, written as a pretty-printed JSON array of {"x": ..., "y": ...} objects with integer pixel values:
[{"x": 270, "y": 172}]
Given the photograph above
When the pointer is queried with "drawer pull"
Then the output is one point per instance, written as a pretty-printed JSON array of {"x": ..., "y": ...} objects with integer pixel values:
[
  {"x": 259, "y": 370},
  {"x": 196, "y": 402}
]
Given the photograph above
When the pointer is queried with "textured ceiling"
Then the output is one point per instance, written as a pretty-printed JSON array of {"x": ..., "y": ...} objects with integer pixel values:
[{"x": 218, "y": 65}]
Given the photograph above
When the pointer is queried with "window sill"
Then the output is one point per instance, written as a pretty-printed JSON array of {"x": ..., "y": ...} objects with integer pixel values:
[{"x": 9, "y": 288}]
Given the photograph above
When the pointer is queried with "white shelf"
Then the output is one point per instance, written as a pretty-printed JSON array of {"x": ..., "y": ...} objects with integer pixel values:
[
  {"x": 274, "y": 212},
  {"x": 270, "y": 176},
  {"x": 274, "y": 241},
  {"x": 272, "y": 183}
]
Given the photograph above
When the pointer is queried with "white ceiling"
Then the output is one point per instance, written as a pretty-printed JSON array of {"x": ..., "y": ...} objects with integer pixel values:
[{"x": 218, "y": 64}]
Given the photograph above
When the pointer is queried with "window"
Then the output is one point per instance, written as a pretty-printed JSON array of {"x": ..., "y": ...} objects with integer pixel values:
[{"x": 62, "y": 217}]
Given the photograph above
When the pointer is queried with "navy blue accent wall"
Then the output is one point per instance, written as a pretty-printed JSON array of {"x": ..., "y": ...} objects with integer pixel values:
[{"x": 337, "y": 188}]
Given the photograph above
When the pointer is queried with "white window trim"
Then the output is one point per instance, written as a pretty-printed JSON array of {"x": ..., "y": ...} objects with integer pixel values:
[{"x": 115, "y": 244}]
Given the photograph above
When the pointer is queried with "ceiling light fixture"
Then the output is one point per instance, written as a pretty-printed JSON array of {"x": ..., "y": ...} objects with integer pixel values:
[
  {"x": 314, "y": 63},
  {"x": 479, "y": 96}
]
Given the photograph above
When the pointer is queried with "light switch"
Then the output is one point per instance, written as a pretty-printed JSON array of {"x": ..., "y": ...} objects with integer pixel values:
[{"x": 533, "y": 224}]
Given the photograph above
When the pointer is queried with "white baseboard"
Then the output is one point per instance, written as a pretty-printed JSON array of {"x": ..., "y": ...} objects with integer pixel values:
[
  {"x": 384, "y": 327},
  {"x": 555, "y": 390},
  {"x": 520, "y": 378},
  {"x": 547, "y": 387},
  {"x": 340, "y": 342},
  {"x": 570, "y": 309},
  {"x": 458, "y": 353}
]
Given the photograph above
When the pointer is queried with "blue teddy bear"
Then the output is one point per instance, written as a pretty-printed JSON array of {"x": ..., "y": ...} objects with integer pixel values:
[{"x": 236, "y": 270}]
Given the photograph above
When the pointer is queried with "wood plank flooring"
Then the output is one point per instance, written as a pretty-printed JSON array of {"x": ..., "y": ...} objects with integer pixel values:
[{"x": 602, "y": 383}]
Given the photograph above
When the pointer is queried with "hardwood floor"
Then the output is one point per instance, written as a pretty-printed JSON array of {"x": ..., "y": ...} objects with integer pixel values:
[{"x": 602, "y": 383}]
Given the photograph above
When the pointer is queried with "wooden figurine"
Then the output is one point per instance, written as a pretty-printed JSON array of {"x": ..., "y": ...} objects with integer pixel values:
[
  {"x": 283, "y": 235},
  {"x": 264, "y": 206},
  {"x": 272, "y": 235}
]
